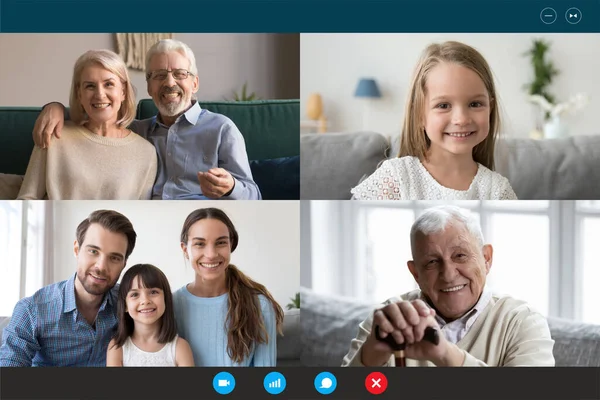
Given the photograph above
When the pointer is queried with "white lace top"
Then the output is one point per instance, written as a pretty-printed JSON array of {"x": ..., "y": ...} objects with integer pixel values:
[
  {"x": 135, "y": 357},
  {"x": 406, "y": 178}
]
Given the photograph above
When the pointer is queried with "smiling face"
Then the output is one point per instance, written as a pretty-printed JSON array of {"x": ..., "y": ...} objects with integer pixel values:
[
  {"x": 100, "y": 260},
  {"x": 144, "y": 305},
  {"x": 457, "y": 109},
  {"x": 172, "y": 97},
  {"x": 101, "y": 93},
  {"x": 451, "y": 269},
  {"x": 209, "y": 249}
]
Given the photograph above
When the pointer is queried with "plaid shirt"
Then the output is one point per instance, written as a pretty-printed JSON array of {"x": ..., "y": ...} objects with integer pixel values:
[{"x": 46, "y": 329}]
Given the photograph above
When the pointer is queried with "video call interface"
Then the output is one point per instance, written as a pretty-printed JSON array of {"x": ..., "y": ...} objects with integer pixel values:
[{"x": 298, "y": 201}]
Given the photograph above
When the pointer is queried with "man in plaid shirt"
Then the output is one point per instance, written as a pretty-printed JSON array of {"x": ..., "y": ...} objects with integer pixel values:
[{"x": 70, "y": 323}]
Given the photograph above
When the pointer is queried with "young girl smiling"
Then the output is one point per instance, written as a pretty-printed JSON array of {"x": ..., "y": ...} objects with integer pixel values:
[
  {"x": 450, "y": 129},
  {"x": 147, "y": 333}
]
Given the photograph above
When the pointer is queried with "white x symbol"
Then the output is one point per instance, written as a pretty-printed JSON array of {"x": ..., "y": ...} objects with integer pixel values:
[{"x": 375, "y": 382}]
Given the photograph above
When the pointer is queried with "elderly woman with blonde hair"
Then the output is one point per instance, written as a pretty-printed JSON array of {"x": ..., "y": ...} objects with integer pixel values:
[{"x": 97, "y": 156}]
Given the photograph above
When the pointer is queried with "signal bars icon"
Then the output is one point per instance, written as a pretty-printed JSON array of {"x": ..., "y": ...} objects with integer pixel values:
[{"x": 275, "y": 384}]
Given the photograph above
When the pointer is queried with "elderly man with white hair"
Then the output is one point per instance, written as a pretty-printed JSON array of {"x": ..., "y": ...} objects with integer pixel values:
[{"x": 475, "y": 326}]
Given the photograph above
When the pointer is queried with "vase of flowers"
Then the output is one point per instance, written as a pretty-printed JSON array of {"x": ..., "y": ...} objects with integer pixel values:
[{"x": 555, "y": 126}]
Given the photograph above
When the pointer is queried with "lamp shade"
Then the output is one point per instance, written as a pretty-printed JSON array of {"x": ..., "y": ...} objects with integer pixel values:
[{"x": 367, "y": 88}]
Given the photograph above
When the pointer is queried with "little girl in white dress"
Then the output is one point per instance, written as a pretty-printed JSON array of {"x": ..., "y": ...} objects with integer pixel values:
[
  {"x": 147, "y": 332},
  {"x": 449, "y": 133}
]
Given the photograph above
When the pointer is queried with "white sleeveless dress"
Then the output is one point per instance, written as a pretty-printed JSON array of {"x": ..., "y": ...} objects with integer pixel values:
[
  {"x": 135, "y": 357},
  {"x": 405, "y": 178}
]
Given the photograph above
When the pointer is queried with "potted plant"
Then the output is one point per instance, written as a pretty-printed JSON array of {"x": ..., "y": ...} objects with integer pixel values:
[
  {"x": 295, "y": 302},
  {"x": 544, "y": 73},
  {"x": 243, "y": 95}
]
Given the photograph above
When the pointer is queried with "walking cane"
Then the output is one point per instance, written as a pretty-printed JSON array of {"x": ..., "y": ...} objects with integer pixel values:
[{"x": 431, "y": 335}]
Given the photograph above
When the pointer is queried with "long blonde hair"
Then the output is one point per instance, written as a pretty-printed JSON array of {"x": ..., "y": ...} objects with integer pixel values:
[{"x": 414, "y": 140}]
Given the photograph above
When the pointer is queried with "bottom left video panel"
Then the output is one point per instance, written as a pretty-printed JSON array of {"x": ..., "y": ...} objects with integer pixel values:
[{"x": 142, "y": 283}]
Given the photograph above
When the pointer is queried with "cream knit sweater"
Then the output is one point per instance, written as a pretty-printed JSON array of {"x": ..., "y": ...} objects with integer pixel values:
[
  {"x": 84, "y": 166},
  {"x": 506, "y": 333}
]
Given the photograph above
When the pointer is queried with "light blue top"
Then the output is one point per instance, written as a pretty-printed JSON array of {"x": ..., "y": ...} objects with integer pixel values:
[
  {"x": 201, "y": 321},
  {"x": 198, "y": 141}
]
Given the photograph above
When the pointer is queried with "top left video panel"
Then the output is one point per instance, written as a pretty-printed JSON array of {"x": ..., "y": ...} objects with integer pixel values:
[{"x": 150, "y": 116}]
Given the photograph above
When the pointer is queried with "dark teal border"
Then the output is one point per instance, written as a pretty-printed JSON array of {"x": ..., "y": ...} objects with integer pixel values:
[{"x": 292, "y": 16}]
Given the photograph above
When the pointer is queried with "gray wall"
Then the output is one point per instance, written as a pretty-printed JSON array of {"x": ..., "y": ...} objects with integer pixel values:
[{"x": 36, "y": 68}]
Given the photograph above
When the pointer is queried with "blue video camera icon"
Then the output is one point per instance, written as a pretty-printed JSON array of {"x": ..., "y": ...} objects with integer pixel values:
[{"x": 223, "y": 383}]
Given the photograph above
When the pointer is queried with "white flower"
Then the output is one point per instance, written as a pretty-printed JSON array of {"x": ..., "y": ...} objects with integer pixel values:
[
  {"x": 571, "y": 106},
  {"x": 541, "y": 101}
]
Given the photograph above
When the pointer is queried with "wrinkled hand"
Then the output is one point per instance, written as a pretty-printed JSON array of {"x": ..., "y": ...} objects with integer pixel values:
[
  {"x": 49, "y": 122},
  {"x": 406, "y": 322},
  {"x": 215, "y": 183}
]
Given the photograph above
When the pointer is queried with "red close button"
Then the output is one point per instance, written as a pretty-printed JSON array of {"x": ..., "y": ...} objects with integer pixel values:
[{"x": 376, "y": 383}]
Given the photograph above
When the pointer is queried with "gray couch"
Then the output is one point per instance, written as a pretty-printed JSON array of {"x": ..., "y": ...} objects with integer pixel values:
[
  {"x": 329, "y": 323},
  {"x": 288, "y": 345},
  {"x": 333, "y": 163}
]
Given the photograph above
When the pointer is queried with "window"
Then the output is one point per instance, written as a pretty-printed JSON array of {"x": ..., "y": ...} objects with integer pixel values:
[
  {"x": 544, "y": 251},
  {"x": 520, "y": 266},
  {"x": 10, "y": 248},
  {"x": 386, "y": 252},
  {"x": 22, "y": 246},
  {"x": 588, "y": 224}
]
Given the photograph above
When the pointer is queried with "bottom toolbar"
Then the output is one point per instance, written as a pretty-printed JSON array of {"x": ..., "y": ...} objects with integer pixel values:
[{"x": 299, "y": 383}]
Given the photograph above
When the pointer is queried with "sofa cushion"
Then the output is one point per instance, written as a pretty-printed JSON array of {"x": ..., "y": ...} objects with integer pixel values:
[
  {"x": 329, "y": 323},
  {"x": 3, "y": 323},
  {"x": 270, "y": 127},
  {"x": 333, "y": 163},
  {"x": 16, "y": 140},
  {"x": 277, "y": 178},
  {"x": 552, "y": 169},
  {"x": 288, "y": 345},
  {"x": 9, "y": 186},
  {"x": 575, "y": 343}
]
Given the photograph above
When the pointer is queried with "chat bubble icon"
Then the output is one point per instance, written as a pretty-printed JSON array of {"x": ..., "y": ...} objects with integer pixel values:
[{"x": 326, "y": 383}]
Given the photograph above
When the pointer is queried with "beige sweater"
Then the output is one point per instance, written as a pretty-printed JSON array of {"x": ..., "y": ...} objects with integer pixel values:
[
  {"x": 506, "y": 333},
  {"x": 84, "y": 166}
]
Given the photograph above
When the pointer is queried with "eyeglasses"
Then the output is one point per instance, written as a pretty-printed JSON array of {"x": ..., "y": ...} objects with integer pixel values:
[{"x": 161, "y": 74}]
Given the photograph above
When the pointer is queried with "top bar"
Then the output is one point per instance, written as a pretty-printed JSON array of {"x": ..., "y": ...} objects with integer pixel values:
[{"x": 245, "y": 16}]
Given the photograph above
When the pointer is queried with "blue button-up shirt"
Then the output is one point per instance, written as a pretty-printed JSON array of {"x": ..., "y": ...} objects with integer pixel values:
[
  {"x": 198, "y": 141},
  {"x": 46, "y": 329}
]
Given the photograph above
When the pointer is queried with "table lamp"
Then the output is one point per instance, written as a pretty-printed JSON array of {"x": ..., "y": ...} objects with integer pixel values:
[{"x": 367, "y": 88}]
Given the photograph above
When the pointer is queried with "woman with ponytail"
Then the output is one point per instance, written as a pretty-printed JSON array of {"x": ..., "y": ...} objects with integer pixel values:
[{"x": 227, "y": 318}]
